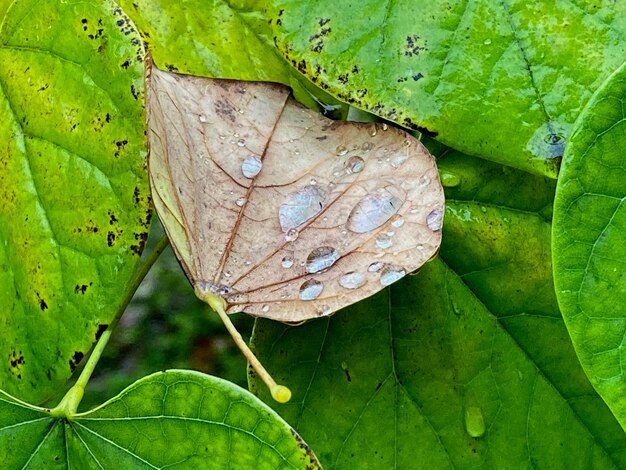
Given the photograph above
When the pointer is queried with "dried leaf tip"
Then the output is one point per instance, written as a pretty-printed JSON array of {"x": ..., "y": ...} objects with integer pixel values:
[{"x": 280, "y": 393}]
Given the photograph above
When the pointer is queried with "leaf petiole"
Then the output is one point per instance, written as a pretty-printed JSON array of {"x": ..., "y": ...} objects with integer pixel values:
[
  {"x": 68, "y": 406},
  {"x": 280, "y": 393}
]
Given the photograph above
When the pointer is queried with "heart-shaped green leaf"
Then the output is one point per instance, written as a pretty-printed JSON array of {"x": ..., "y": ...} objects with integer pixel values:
[
  {"x": 589, "y": 240},
  {"x": 468, "y": 363},
  {"x": 172, "y": 419},
  {"x": 75, "y": 205},
  {"x": 503, "y": 80}
]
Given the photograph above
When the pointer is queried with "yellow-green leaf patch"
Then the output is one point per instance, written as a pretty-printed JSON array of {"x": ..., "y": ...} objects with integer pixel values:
[
  {"x": 503, "y": 80},
  {"x": 75, "y": 206},
  {"x": 589, "y": 241}
]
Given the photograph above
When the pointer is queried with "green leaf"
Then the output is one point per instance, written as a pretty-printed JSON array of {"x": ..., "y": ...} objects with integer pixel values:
[
  {"x": 501, "y": 80},
  {"x": 173, "y": 419},
  {"x": 589, "y": 240},
  {"x": 468, "y": 363},
  {"x": 220, "y": 39},
  {"x": 76, "y": 205}
]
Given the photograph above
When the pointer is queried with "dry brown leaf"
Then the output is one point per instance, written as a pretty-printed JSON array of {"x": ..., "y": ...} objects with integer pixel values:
[{"x": 282, "y": 212}]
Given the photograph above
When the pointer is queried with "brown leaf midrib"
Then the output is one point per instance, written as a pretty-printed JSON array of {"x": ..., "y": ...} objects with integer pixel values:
[{"x": 235, "y": 229}]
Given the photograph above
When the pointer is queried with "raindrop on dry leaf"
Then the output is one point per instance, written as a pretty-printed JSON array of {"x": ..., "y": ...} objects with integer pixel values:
[
  {"x": 375, "y": 267},
  {"x": 435, "y": 220},
  {"x": 300, "y": 206},
  {"x": 391, "y": 274},
  {"x": 355, "y": 164},
  {"x": 287, "y": 262},
  {"x": 352, "y": 280},
  {"x": 321, "y": 259},
  {"x": 383, "y": 241},
  {"x": 285, "y": 196},
  {"x": 291, "y": 235},
  {"x": 311, "y": 289},
  {"x": 251, "y": 166},
  {"x": 374, "y": 209}
]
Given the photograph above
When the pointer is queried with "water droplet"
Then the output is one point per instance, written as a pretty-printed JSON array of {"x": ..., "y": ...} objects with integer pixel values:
[
  {"x": 341, "y": 150},
  {"x": 398, "y": 160},
  {"x": 372, "y": 130},
  {"x": 248, "y": 263},
  {"x": 474, "y": 421},
  {"x": 265, "y": 308},
  {"x": 202, "y": 118},
  {"x": 251, "y": 166},
  {"x": 483, "y": 209},
  {"x": 434, "y": 220},
  {"x": 375, "y": 267},
  {"x": 241, "y": 142},
  {"x": 313, "y": 181},
  {"x": 449, "y": 179},
  {"x": 414, "y": 210},
  {"x": 424, "y": 180},
  {"x": 291, "y": 235},
  {"x": 383, "y": 241},
  {"x": 323, "y": 309},
  {"x": 241, "y": 201},
  {"x": 352, "y": 280},
  {"x": 311, "y": 289},
  {"x": 419, "y": 247},
  {"x": 222, "y": 289},
  {"x": 374, "y": 210},
  {"x": 397, "y": 221},
  {"x": 367, "y": 146},
  {"x": 300, "y": 206},
  {"x": 227, "y": 273},
  {"x": 321, "y": 259},
  {"x": 355, "y": 164},
  {"x": 486, "y": 42},
  {"x": 384, "y": 126},
  {"x": 287, "y": 262},
  {"x": 391, "y": 274}
]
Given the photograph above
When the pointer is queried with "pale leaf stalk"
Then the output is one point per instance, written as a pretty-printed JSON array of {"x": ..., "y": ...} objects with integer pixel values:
[
  {"x": 280, "y": 393},
  {"x": 68, "y": 406}
]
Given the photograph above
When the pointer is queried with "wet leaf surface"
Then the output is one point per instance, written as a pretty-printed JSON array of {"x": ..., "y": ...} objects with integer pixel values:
[
  {"x": 284, "y": 213},
  {"x": 172, "y": 419},
  {"x": 589, "y": 242},
  {"x": 221, "y": 39},
  {"x": 75, "y": 205},
  {"x": 502, "y": 80},
  {"x": 468, "y": 363}
]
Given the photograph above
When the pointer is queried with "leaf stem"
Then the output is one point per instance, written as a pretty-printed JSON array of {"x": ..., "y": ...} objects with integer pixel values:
[
  {"x": 280, "y": 393},
  {"x": 68, "y": 406}
]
